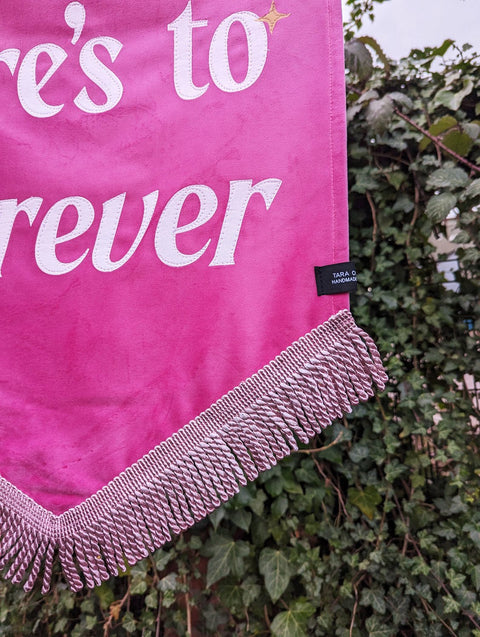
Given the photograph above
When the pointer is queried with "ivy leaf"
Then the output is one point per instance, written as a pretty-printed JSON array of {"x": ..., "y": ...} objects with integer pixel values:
[
  {"x": 366, "y": 500},
  {"x": 138, "y": 585},
  {"x": 367, "y": 96},
  {"x": 376, "y": 628},
  {"x": 231, "y": 596},
  {"x": 105, "y": 595},
  {"x": 437, "y": 128},
  {"x": 90, "y": 622},
  {"x": 358, "y": 59},
  {"x": 443, "y": 48},
  {"x": 451, "y": 605},
  {"x": 213, "y": 618},
  {"x": 275, "y": 568},
  {"x": 258, "y": 502},
  {"x": 401, "y": 99},
  {"x": 459, "y": 142},
  {"x": 359, "y": 452},
  {"x": 395, "y": 179},
  {"x": 450, "y": 506},
  {"x": 227, "y": 557},
  {"x": 456, "y": 579},
  {"x": 439, "y": 206},
  {"x": 443, "y": 124},
  {"x": 279, "y": 506},
  {"x": 474, "y": 534},
  {"x": 454, "y": 99},
  {"x": 162, "y": 558},
  {"x": 400, "y": 607},
  {"x": 242, "y": 519},
  {"x": 364, "y": 182},
  {"x": 286, "y": 625},
  {"x": 417, "y": 480},
  {"x": 379, "y": 113},
  {"x": 151, "y": 600},
  {"x": 360, "y": 103},
  {"x": 128, "y": 622},
  {"x": 292, "y": 623},
  {"x": 373, "y": 44},
  {"x": 168, "y": 583},
  {"x": 450, "y": 177},
  {"x": 475, "y": 573},
  {"x": 216, "y": 517},
  {"x": 274, "y": 486},
  {"x": 291, "y": 484},
  {"x": 472, "y": 129},
  {"x": 353, "y": 110},
  {"x": 374, "y": 598},
  {"x": 472, "y": 191},
  {"x": 250, "y": 590}
]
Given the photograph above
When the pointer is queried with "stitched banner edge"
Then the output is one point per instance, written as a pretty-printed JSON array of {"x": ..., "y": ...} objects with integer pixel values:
[{"x": 314, "y": 381}]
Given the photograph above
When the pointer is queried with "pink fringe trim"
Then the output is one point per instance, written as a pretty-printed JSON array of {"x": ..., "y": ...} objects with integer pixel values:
[{"x": 313, "y": 382}]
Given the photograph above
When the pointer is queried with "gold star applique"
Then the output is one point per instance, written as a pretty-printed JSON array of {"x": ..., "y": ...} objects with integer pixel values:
[{"x": 273, "y": 16}]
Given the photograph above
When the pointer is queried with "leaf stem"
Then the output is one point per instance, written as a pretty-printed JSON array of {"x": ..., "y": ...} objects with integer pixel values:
[
  {"x": 375, "y": 228},
  {"x": 438, "y": 142},
  {"x": 187, "y": 607},
  {"x": 318, "y": 449}
]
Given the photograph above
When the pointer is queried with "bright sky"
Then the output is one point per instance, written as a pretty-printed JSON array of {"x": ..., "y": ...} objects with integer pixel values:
[{"x": 401, "y": 25}]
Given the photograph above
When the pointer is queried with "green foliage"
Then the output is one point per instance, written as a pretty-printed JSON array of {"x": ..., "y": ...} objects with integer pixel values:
[
  {"x": 375, "y": 530},
  {"x": 292, "y": 622},
  {"x": 275, "y": 568},
  {"x": 359, "y": 10}
]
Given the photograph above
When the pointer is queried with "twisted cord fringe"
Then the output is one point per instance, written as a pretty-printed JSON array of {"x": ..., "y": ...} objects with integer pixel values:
[{"x": 310, "y": 384}]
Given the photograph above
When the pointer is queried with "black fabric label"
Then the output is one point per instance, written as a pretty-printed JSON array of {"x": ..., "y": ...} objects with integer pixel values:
[{"x": 336, "y": 279}]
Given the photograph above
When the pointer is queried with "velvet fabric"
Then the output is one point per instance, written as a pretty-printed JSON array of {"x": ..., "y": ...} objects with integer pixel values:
[
  {"x": 171, "y": 173},
  {"x": 99, "y": 367}
]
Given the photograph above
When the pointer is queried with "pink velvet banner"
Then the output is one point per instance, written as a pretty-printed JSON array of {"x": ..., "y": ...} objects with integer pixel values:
[{"x": 171, "y": 173}]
